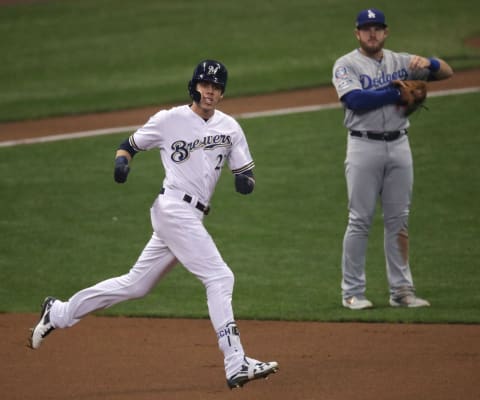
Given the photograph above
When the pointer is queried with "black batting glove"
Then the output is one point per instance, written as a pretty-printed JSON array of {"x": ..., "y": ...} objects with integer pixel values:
[
  {"x": 244, "y": 184},
  {"x": 121, "y": 170}
]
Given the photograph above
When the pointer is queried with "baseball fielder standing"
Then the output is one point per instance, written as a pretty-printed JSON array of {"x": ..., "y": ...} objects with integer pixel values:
[
  {"x": 195, "y": 142},
  {"x": 378, "y": 164}
]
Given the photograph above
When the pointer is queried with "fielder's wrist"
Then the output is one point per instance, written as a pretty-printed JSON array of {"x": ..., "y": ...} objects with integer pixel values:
[{"x": 434, "y": 64}]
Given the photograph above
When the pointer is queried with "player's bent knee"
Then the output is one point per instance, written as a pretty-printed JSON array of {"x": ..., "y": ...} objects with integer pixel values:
[{"x": 223, "y": 283}]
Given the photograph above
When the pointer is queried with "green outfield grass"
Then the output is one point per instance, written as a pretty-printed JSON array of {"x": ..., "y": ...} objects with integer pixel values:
[
  {"x": 66, "y": 57},
  {"x": 65, "y": 224}
]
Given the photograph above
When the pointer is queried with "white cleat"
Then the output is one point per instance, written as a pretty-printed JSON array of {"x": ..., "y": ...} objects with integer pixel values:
[
  {"x": 357, "y": 303},
  {"x": 44, "y": 326},
  {"x": 409, "y": 300},
  {"x": 250, "y": 370}
]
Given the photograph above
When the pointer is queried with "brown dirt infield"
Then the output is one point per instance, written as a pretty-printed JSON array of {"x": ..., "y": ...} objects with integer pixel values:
[{"x": 143, "y": 359}]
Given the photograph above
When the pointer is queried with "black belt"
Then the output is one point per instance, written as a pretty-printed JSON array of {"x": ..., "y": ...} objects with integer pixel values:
[
  {"x": 186, "y": 197},
  {"x": 386, "y": 136}
]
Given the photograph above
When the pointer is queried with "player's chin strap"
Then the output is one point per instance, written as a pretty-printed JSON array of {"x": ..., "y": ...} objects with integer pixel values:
[
  {"x": 194, "y": 93},
  {"x": 196, "y": 96}
]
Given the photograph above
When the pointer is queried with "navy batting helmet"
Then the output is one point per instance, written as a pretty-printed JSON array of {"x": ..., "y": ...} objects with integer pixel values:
[{"x": 207, "y": 71}]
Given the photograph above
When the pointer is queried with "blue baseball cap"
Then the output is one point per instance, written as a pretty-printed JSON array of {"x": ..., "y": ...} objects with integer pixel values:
[{"x": 370, "y": 16}]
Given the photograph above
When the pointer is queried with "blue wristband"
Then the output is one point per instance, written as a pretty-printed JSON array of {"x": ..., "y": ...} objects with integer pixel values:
[{"x": 434, "y": 64}]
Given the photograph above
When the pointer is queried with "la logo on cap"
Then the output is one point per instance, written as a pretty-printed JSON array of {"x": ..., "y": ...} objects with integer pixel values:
[{"x": 370, "y": 16}]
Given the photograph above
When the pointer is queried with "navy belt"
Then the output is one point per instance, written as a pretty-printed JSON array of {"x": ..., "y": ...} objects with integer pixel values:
[
  {"x": 386, "y": 136},
  {"x": 186, "y": 197}
]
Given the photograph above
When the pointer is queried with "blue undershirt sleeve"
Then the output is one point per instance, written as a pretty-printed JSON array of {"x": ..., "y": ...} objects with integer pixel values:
[{"x": 358, "y": 100}]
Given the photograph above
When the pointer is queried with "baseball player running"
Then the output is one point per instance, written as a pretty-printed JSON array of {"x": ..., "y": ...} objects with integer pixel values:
[
  {"x": 195, "y": 142},
  {"x": 378, "y": 163}
]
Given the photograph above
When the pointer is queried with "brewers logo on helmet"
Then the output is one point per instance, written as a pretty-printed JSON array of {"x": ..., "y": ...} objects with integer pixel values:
[{"x": 207, "y": 71}]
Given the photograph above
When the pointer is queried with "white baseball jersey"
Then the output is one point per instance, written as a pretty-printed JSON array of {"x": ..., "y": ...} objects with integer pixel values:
[
  {"x": 193, "y": 150},
  {"x": 355, "y": 71}
]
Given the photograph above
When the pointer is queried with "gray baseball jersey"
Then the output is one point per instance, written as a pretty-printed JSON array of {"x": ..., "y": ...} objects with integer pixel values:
[
  {"x": 376, "y": 169},
  {"x": 356, "y": 71}
]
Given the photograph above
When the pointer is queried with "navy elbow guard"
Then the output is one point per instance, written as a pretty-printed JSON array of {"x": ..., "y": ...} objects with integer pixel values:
[
  {"x": 121, "y": 170},
  {"x": 126, "y": 145},
  {"x": 244, "y": 184}
]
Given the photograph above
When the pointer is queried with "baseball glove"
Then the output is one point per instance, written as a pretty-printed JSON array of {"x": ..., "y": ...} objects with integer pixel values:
[{"x": 412, "y": 94}]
